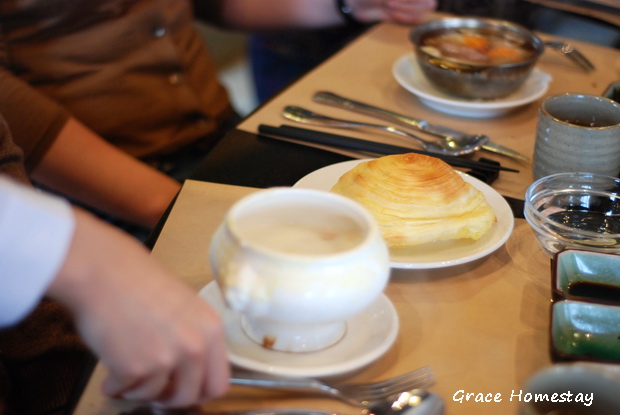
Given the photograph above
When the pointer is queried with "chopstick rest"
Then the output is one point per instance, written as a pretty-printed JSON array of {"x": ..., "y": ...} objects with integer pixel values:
[{"x": 487, "y": 176}]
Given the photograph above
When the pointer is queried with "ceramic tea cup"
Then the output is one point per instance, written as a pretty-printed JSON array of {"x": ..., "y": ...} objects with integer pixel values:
[
  {"x": 584, "y": 388},
  {"x": 296, "y": 263},
  {"x": 577, "y": 133}
]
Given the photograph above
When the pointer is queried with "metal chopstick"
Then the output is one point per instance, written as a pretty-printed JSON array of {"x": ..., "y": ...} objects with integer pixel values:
[{"x": 337, "y": 140}]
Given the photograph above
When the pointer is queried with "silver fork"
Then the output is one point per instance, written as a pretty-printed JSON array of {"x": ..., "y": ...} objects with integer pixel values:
[
  {"x": 358, "y": 394},
  {"x": 573, "y": 54}
]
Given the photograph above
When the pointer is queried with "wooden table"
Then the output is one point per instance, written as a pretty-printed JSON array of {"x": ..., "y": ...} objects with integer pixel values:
[{"x": 482, "y": 326}]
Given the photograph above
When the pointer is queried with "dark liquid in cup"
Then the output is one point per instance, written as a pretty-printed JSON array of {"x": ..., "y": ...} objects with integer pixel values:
[
  {"x": 582, "y": 123},
  {"x": 592, "y": 122}
]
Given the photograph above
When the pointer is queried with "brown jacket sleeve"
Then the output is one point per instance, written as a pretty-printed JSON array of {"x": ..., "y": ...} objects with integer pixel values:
[
  {"x": 34, "y": 119},
  {"x": 11, "y": 156}
]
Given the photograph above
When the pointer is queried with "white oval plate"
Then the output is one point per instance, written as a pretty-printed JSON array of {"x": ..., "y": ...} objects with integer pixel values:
[
  {"x": 437, "y": 254},
  {"x": 369, "y": 335},
  {"x": 409, "y": 75}
]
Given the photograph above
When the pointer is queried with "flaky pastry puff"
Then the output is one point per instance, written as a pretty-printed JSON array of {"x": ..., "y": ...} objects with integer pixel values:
[{"x": 417, "y": 199}]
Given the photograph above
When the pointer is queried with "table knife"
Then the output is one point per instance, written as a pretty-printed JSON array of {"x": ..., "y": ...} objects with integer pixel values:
[{"x": 329, "y": 98}]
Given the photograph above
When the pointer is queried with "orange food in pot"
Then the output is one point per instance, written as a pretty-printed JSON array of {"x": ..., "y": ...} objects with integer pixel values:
[{"x": 476, "y": 42}]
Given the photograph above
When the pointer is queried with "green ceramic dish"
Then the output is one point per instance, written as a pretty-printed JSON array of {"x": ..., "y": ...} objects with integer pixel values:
[
  {"x": 585, "y": 331},
  {"x": 587, "y": 276}
]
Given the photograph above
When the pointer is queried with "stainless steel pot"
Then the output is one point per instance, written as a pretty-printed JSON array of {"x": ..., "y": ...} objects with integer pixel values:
[{"x": 476, "y": 81}]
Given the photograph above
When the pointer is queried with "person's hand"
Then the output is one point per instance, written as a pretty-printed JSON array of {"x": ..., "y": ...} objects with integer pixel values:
[
  {"x": 158, "y": 339},
  {"x": 257, "y": 15},
  {"x": 399, "y": 11}
]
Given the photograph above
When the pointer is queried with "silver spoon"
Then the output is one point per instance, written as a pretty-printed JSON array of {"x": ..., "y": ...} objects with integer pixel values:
[
  {"x": 458, "y": 138},
  {"x": 448, "y": 148}
]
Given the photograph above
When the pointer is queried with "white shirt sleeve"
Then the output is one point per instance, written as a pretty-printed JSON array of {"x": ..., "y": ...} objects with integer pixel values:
[{"x": 35, "y": 235}]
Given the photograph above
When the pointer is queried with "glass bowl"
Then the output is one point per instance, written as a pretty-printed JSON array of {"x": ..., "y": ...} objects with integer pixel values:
[{"x": 575, "y": 211}]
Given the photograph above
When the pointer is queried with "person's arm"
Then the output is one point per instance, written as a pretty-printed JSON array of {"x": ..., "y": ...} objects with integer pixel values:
[
  {"x": 35, "y": 233},
  {"x": 268, "y": 14},
  {"x": 158, "y": 339},
  {"x": 63, "y": 154},
  {"x": 82, "y": 165}
]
